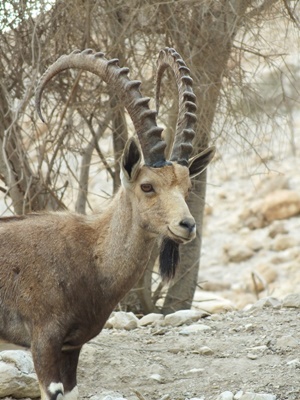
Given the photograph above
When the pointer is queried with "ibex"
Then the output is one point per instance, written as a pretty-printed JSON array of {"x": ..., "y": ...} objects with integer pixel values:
[{"x": 62, "y": 273}]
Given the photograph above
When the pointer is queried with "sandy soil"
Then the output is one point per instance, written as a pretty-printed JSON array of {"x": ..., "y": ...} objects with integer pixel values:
[{"x": 250, "y": 351}]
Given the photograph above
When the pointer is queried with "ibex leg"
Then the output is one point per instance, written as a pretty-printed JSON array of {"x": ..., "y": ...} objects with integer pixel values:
[
  {"x": 68, "y": 368},
  {"x": 47, "y": 354}
]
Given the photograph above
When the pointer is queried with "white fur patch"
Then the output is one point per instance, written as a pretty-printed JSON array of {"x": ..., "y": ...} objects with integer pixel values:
[
  {"x": 73, "y": 395},
  {"x": 56, "y": 387}
]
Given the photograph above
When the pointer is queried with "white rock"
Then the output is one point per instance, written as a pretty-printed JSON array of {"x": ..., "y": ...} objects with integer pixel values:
[
  {"x": 108, "y": 395},
  {"x": 193, "y": 371},
  {"x": 260, "y": 349},
  {"x": 237, "y": 252},
  {"x": 283, "y": 242},
  {"x": 108, "y": 324},
  {"x": 255, "y": 244},
  {"x": 280, "y": 204},
  {"x": 156, "y": 378},
  {"x": 294, "y": 363},
  {"x": 292, "y": 300},
  {"x": 157, "y": 369},
  {"x": 17, "y": 375},
  {"x": 113, "y": 398},
  {"x": 252, "y": 356},
  {"x": 255, "y": 396},
  {"x": 249, "y": 327},
  {"x": 123, "y": 320},
  {"x": 150, "y": 319},
  {"x": 238, "y": 395},
  {"x": 166, "y": 397},
  {"x": 215, "y": 285},
  {"x": 216, "y": 306},
  {"x": 195, "y": 328},
  {"x": 226, "y": 396},
  {"x": 267, "y": 302},
  {"x": 206, "y": 351},
  {"x": 288, "y": 341},
  {"x": 183, "y": 317},
  {"x": 277, "y": 228}
]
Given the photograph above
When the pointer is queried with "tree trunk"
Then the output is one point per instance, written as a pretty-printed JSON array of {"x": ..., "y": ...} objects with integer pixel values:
[
  {"x": 143, "y": 288},
  {"x": 181, "y": 291},
  {"x": 209, "y": 35},
  {"x": 23, "y": 187}
]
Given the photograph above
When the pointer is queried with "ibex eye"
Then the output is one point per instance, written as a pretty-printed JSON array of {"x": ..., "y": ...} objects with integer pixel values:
[{"x": 147, "y": 187}]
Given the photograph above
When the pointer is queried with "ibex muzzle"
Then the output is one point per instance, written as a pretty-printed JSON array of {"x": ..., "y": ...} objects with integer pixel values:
[{"x": 62, "y": 274}]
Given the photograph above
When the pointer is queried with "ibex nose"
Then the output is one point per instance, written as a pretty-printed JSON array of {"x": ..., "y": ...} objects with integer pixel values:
[{"x": 188, "y": 224}]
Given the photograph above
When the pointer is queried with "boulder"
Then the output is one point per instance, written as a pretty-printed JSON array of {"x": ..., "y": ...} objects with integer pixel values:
[
  {"x": 292, "y": 300},
  {"x": 150, "y": 319},
  {"x": 123, "y": 320},
  {"x": 212, "y": 304},
  {"x": 225, "y": 396},
  {"x": 284, "y": 242},
  {"x": 281, "y": 204},
  {"x": 237, "y": 252},
  {"x": 278, "y": 205},
  {"x": 194, "y": 329},
  {"x": 254, "y": 396},
  {"x": 266, "y": 302},
  {"x": 17, "y": 376},
  {"x": 183, "y": 317},
  {"x": 278, "y": 227}
]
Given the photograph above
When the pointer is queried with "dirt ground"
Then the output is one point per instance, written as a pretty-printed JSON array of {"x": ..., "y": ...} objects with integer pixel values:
[{"x": 250, "y": 351}]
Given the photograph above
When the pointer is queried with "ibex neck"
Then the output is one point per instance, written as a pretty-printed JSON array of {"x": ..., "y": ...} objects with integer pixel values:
[{"x": 127, "y": 247}]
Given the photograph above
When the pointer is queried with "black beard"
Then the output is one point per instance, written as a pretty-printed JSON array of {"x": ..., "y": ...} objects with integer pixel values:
[{"x": 168, "y": 259}]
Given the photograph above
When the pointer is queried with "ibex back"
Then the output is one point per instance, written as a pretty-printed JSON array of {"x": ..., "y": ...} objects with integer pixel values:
[{"x": 62, "y": 274}]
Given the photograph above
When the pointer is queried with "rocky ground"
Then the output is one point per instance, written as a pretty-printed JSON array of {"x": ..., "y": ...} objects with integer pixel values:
[
  {"x": 239, "y": 355},
  {"x": 248, "y": 355},
  {"x": 251, "y": 238}
]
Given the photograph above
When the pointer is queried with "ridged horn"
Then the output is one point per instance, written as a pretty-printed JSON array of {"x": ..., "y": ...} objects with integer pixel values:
[
  {"x": 144, "y": 119},
  {"x": 185, "y": 127}
]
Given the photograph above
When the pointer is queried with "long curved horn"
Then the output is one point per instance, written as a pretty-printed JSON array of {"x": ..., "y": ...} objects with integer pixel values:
[
  {"x": 185, "y": 132},
  {"x": 144, "y": 119}
]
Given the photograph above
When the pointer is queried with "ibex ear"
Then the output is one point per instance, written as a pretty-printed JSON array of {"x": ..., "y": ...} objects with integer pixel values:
[
  {"x": 200, "y": 162},
  {"x": 131, "y": 160}
]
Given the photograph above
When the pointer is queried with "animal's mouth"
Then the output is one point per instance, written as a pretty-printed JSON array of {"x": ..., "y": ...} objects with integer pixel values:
[{"x": 180, "y": 239}]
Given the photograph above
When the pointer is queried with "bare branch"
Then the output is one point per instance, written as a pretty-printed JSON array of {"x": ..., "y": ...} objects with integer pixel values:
[
  {"x": 257, "y": 11},
  {"x": 86, "y": 160},
  {"x": 64, "y": 133},
  {"x": 291, "y": 14}
]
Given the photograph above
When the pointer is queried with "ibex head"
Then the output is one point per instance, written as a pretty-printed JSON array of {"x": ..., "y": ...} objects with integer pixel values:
[
  {"x": 159, "y": 194},
  {"x": 156, "y": 188}
]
